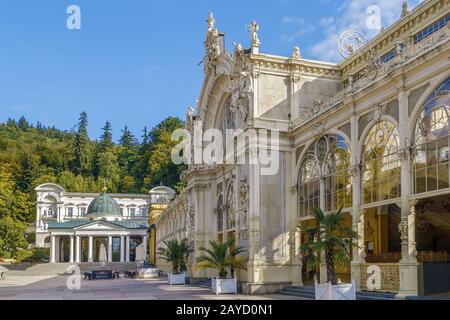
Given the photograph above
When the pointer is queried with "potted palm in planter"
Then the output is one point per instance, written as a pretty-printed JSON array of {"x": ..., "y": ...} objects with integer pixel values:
[
  {"x": 330, "y": 239},
  {"x": 176, "y": 253},
  {"x": 222, "y": 256}
]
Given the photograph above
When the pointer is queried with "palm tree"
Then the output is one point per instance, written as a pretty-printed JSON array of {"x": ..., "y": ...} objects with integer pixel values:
[
  {"x": 177, "y": 253},
  {"x": 222, "y": 256},
  {"x": 330, "y": 237}
]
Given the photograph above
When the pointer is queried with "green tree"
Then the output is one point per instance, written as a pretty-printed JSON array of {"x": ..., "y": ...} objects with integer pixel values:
[
  {"x": 331, "y": 237},
  {"x": 177, "y": 253},
  {"x": 109, "y": 168},
  {"x": 14, "y": 209},
  {"x": 106, "y": 141},
  {"x": 23, "y": 124},
  {"x": 127, "y": 139},
  {"x": 12, "y": 237},
  {"x": 222, "y": 256},
  {"x": 67, "y": 180},
  {"x": 159, "y": 167},
  {"x": 127, "y": 151},
  {"x": 81, "y": 148}
]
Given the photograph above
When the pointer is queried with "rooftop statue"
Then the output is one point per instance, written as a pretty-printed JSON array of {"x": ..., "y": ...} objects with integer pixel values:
[
  {"x": 211, "y": 21},
  {"x": 190, "y": 114},
  {"x": 296, "y": 54},
  {"x": 405, "y": 8},
  {"x": 253, "y": 28}
]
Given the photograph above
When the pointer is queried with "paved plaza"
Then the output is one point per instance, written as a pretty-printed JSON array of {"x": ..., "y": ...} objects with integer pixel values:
[{"x": 54, "y": 288}]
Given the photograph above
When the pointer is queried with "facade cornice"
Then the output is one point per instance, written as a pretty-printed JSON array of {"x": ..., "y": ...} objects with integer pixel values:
[
  {"x": 114, "y": 195},
  {"x": 383, "y": 74},
  {"x": 285, "y": 66},
  {"x": 403, "y": 29}
]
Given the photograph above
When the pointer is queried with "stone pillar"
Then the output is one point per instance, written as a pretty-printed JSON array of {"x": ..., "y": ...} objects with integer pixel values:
[
  {"x": 59, "y": 214},
  {"x": 145, "y": 242},
  {"x": 122, "y": 248},
  {"x": 53, "y": 249},
  {"x": 408, "y": 265},
  {"x": 359, "y": 253},
  {"x": 296, "y": 255},
  {"x": 203, "y": 201},
  {"x": 58, "y": 249},
  {"x": 110, "y": 251},
  {"x": 294, "y": 99},
  {"x": 323, "y": 266},
  {"x": 91, "y": 249},
  {"x": 357, "y": 214},
  {"x": 254, "y": 241},
  {"x": 127, "y": 252},
  {"x": 152, "y": 246},
  {"x": 78, "y": 249},
  {"x": 72, "y": 251},
  {"x": 297, "y": 264},
  {"x": 38, "y": 216}
]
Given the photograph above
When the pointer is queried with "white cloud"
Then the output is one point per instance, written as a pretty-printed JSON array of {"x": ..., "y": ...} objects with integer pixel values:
[{"x": 352, "y": 14}]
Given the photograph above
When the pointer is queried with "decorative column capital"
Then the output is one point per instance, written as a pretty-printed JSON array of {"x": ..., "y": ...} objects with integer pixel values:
[
  {"x": 202, "y": 186},
  {"x": 256, "y": 74},
  {"x": 294, "y": 78}
]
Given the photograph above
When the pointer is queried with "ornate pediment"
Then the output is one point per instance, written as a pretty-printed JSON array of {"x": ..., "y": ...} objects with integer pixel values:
[{"x": 99, "y": 225}]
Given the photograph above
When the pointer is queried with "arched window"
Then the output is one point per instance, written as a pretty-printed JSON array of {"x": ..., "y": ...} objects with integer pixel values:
[
  {"x": 338, "y": 185},
  {"x": 430, "y": 168},
  {"x": 381, "y": 163},
  {"x": 326, "y": 163},
  {"x": 309, "y": 187}
]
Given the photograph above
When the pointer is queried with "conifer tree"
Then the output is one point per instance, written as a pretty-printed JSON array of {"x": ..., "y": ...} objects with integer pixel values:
[{"x": 81, "y": 159}]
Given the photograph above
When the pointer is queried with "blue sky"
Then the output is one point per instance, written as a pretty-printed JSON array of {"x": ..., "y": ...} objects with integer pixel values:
[{"x": 135, "y": 62}]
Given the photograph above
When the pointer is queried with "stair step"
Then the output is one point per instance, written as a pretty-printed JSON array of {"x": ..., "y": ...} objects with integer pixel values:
[
  {"x": 54, "y": 269},
  {"x": 309, "y": 293}
]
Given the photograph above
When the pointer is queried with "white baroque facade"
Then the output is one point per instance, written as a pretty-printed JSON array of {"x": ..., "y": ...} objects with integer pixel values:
[{"x": 370, "y": 134}]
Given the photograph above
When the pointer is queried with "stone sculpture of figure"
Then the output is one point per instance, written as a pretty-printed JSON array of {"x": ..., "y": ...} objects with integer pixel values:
[
  {"x": 211, "y": 21},
  {"x": 238, "y": 48},
  {"x": 190, "y": 118},
  {"x": 253, "y": 28},
  {"x": 296, "y": 53},
  {"x": 190, "y": 114},
  {"x": 405, "y": 8}
]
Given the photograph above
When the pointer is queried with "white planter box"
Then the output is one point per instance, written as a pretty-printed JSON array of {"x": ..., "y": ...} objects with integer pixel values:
[
  {"x": 224, "y": 286},
  {"x": 176, "y": 279},
  {"x": 149, "y": 273},
  {"x": 337, "y": 292}
]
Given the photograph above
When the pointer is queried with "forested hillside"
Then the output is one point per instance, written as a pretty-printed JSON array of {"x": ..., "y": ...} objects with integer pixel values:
[{"x": 34, "y": 154}]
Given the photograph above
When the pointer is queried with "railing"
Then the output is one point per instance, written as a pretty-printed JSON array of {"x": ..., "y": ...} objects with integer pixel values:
[
  {"x": 374, "y": 72},
  {"x": 387, "y": 281}
]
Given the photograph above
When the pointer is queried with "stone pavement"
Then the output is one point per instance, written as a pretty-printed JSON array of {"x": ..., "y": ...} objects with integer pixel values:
[{"x": 54, "y": 288}]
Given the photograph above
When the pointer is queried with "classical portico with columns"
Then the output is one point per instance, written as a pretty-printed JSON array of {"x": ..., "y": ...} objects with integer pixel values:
[
  {"x": 74, "y": 226},
  {"x": 80, "y": 240},
  {"x": 83, "y": 241},
  {"x": 370, "y": 135}
]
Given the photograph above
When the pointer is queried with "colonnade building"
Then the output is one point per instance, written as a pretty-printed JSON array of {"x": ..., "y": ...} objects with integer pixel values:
[{"x": 369, "y": 135}]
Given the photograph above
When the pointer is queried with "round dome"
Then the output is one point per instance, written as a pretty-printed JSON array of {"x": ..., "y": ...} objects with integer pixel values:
[{"x": 104, "y": 206}]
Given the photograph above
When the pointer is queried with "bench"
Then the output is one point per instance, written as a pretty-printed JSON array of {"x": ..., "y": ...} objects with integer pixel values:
[{"x": 102, "y": 274}]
